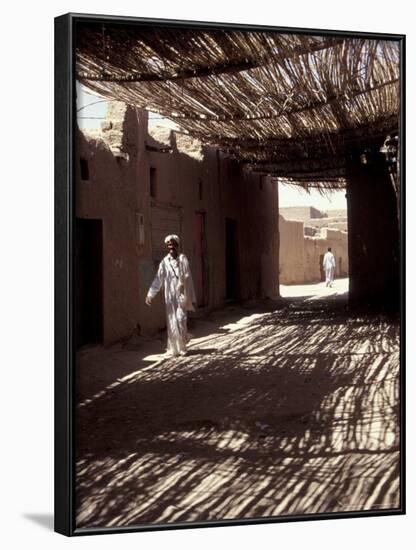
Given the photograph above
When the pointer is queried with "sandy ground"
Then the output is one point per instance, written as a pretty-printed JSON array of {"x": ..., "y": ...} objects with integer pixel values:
[
  {"x": 290, "y": 407},
  {"x": 315, "y": 291}
]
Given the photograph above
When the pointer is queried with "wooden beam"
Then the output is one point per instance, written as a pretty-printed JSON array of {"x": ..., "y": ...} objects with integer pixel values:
[
  {"x": 360, "y": 134},
  {"x": 312, "y": 105},
  {"x": 200, "y": 71}
]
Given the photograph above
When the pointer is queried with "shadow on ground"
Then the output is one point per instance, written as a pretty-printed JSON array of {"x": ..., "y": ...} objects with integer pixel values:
[{"x": 274, "y": 412}]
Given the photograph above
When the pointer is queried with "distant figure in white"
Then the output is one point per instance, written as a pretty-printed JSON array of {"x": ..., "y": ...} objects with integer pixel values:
[
  {"x": 175, "y": 275},
  {"x": 329, "y": 267}
]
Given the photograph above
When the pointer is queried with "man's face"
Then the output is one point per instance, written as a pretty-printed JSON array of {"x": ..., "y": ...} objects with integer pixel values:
[{"x": 172, "y": 246}]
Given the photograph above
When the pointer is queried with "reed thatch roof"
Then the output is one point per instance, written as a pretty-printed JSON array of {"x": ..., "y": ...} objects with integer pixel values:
[{"x": 290, "y": 105}]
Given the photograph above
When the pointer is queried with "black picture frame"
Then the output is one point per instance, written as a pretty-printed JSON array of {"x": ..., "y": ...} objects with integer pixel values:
[{"x": 65, "y": 136}]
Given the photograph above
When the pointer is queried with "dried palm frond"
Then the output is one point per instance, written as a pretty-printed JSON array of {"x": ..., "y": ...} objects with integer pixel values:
[{"x": 290, "y": 105}]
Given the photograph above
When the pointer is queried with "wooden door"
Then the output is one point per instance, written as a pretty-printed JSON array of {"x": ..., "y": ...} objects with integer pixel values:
[
  {"x": 200, "y": 267},
  {"x": 88, "y": 283},
  {"x": 232, "y": 286}
]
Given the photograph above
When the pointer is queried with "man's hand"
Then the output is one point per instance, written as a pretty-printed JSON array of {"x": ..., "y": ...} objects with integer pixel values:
[{"x": 148, "y": 301}]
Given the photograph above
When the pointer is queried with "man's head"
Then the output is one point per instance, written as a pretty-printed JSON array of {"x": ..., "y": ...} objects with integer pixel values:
[
  {"x": 329, "y": 249},
  {"x": 172, "y": 243}
]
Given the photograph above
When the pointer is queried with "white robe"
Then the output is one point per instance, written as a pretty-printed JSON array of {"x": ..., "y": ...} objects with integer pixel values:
[
  {"x": 172, "y": 273},
  {"x": 329, "y": 267}
]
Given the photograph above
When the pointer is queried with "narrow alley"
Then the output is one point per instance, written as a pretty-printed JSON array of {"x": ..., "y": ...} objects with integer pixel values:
[{"x": 286, "y": 408}]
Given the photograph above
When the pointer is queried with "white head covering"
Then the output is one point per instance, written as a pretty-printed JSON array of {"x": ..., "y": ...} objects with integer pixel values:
[{"x": 172, "y": 238}]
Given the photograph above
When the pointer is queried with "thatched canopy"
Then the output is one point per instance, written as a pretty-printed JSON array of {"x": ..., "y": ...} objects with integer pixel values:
[{"x": 290, "y": 105}]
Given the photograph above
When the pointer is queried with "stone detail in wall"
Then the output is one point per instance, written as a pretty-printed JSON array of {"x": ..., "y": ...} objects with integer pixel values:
[
  {"x": 301, "y": 213},
  {"x": 314, "y": 219}
]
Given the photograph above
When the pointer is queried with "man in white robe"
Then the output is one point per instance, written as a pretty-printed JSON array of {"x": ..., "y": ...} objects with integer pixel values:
[
  {"x": 329, "y": 267},
  {"x": 175, "y": 275}
]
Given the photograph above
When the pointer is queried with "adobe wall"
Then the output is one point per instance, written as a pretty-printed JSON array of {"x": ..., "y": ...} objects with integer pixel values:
[
  {"x": 315, "y": 248},
  {"x": 301, "y": 256},
  {"x": 228, "y": 191},
  {"x": 110, "y": 196},
  {"x": 374, "y": 232},
  {"x": 301, "y": 213},
  {"x": 292, "y": 251},
  {"x": 340, "y": 223},
  {"x": 120, "y": 158}
]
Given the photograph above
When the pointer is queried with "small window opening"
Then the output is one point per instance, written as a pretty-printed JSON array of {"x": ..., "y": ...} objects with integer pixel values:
[
  {"x": 85, "y": 173},
  {"x": 153, "y": 189}
]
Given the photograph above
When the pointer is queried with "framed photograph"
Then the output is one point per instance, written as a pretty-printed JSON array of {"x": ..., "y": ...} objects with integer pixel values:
[{"x": 229, "y": 284}]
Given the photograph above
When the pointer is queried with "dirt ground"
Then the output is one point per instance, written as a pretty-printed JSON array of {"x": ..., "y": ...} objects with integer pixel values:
[{"x": 286, "y": 408}]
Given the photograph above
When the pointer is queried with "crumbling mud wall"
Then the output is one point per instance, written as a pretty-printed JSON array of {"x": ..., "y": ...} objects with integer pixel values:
[{"x": 144, "y": 184}]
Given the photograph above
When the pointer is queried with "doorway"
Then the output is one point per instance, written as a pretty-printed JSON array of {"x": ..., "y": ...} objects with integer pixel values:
[
  {"x": 88, "y": 287},
  {"x": 232, "y": 286},
  {"x": 201, "y": 257}
]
